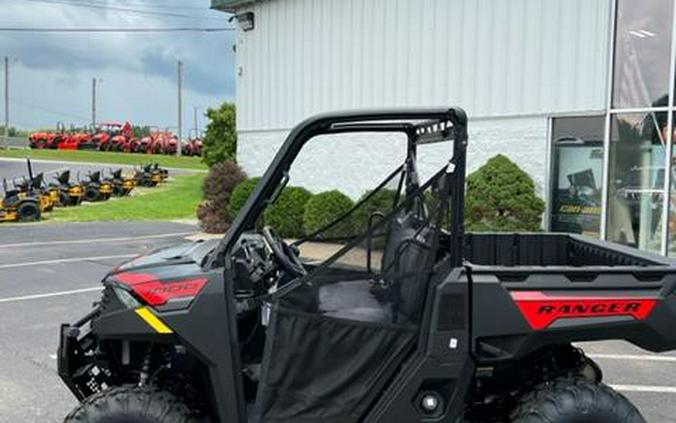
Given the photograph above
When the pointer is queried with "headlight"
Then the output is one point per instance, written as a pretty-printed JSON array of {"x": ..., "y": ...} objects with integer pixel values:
[{"x": 126, "y": 298}]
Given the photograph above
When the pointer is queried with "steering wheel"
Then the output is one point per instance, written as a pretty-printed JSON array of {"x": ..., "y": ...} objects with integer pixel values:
[{"x": 286, "y": 256}]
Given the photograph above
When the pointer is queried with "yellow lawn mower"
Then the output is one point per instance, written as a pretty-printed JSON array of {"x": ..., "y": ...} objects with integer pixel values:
[
  {"x": 96, "y": 189},
  {"x": 122, "y": 185},
  {"x": 17, "y": 208},
  {"x": 71, "y": 194}
]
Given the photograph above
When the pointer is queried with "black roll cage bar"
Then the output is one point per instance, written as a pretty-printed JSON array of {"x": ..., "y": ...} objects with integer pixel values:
[{"x": 422, "y": 126}]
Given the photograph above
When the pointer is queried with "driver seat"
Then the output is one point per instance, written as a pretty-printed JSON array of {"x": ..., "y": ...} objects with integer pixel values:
[{"x": 405, "y": 261}]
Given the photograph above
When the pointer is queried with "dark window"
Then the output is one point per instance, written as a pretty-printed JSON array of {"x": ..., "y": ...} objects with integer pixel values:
[
  {"x": 636, "y": 179},
  {"x": 642, "y": 53},
  {"x": 577, "y": 175}
]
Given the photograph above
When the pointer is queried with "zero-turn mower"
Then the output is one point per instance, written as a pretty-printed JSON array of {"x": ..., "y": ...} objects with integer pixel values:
[
  {"x": 17, "y": 208},
  {"x": 71, "y": 194},
  {"x": 122, "y": 185},
  {"x": 34, "y": 186},
  {"x": 151, "y": 175},
  {"x": 96, "y": 189}
]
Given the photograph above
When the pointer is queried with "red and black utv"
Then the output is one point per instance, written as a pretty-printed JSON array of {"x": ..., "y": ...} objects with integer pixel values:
[{"x": 388, "y": 312}]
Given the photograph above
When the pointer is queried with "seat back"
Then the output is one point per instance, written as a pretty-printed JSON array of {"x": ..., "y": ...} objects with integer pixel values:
[{"x": 406, "y": 262}]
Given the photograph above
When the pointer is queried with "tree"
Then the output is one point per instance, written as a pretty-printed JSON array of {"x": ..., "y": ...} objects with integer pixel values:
[
  {"x": 141, "y": 131},
  {"x": 501, "y": 197},
  {"x": 217, "y": 188},
  {"x": 220, "y": 138}
]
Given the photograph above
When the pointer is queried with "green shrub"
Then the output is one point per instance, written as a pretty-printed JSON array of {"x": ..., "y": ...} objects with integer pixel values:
[
  {"x": 220, "y": 137},
  {"x": 286, "y": 214},
  {"x": 501, "y": 197},
  {"x": 325, "y": 208},
  {"x": 217, "y": 190},
  {"x": 381, "y": 202},
  {"x": 240, "y": 194}
]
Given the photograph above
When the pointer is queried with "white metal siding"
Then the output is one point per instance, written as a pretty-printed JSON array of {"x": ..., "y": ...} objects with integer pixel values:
[
  {"x": 355, "y": 167},
  {"x": 492, "y": 57}
]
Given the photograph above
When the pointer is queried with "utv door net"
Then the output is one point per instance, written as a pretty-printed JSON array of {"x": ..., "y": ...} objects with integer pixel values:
[{"x": 338, "y": 335}]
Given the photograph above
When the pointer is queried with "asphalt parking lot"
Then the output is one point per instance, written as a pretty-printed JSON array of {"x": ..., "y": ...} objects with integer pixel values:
[{"x": 50, "y": 274}]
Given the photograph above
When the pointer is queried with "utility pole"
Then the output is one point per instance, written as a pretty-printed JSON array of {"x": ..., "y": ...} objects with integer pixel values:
[
  {"x": 93, "y": 103},
  {"x": 6, "y": 133},
  {"x": 180, "y": 109},
  {"x": 195, "y": 120}
]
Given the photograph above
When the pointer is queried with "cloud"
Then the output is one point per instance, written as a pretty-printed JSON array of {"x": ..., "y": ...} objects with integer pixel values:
[{"x": 69, "y": 61}]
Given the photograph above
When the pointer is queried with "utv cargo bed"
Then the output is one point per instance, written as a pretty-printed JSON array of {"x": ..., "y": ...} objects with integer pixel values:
[{"x": 568, "y": 287}]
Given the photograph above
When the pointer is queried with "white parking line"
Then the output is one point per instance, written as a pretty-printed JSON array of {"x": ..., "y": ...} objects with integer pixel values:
[
  {"x": 95, "y": 240},
  {"x": 47, "y": 295},
  {"x": 634, "y": 357},
  {"x": 68, "y": 260},
  {"x": 645, "y": 388}
]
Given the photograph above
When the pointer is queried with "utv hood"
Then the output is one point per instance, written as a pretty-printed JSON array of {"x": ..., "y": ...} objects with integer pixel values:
[{"x": 169, "y": 277}]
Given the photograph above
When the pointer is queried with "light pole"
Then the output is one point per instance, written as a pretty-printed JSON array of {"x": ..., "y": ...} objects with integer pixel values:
[
  {"x": 180, "y": 109},
  {"x": 6, "y": 133},
  {"x": 94, "y": 82}
]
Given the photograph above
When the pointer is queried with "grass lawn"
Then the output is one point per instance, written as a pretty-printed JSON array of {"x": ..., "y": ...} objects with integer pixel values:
[
  {"x": 176, "y": 199},
  {"x": 108, "y": 157}
]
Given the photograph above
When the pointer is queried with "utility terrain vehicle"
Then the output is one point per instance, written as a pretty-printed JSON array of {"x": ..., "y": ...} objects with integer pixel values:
[{"x": 386, "y": 312}]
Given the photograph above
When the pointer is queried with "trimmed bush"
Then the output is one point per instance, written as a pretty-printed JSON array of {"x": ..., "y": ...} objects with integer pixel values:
[
  {"x": 501, "y": 197},
  {"x": 381, "y": 202},
  {"x": 325, "y": 208},
  {"x": 217, "y": 188},
  {"x": 240, "y": 194},
  {"x": 286, "y": 214}
]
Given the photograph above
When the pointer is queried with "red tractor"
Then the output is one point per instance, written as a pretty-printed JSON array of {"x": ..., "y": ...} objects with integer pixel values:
[
  {"x": 110, "y": 136},
  {"x": 194, "y": 145},
  {"x": 125, "y": 140},
  {"x": 148, "y": 144},
  {"x": 48, "y": 139}
]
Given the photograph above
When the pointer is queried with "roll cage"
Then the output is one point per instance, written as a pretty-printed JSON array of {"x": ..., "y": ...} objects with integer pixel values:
[{"x": 421, "y": 126}]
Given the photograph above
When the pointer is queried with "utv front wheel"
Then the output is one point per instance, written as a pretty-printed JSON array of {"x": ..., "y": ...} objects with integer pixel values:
[
  {"x": 131, "y": 405},
  {"x": 575, "y": 401}
]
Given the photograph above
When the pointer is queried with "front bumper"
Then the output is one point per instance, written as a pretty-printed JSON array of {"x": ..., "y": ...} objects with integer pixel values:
[{"x": 75, "y": 360}]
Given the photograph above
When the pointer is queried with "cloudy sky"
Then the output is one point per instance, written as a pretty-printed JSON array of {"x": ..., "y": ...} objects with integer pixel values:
[{"x": 51, "y": 73}]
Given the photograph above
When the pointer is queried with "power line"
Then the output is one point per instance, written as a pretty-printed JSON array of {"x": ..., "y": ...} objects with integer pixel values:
[
  {"x": 148, "y": 5},
  {"x": 121, "y": 30},
  {"x": 121, "y": 9},
  {"x": 145, "y": 5}
]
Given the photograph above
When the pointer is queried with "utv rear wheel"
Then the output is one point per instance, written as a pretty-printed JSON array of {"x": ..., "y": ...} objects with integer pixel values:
[
  {"x": 131, "y": 405},
  {"x": 575, "y": 401},
  {"x": 28, "y": 212}
]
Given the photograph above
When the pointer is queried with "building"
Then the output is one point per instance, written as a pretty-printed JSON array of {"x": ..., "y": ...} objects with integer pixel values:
[{"x": 578, "y": 92}]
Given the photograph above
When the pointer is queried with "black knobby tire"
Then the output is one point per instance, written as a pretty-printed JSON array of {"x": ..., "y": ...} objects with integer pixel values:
[
  {"x": 28, "y": 212},
  {"x": 92, "y": 194},
  {"x": 131, "y": 405},
  {"x": 65, "y": 199},
  {"x": 575, "y": 400}
]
